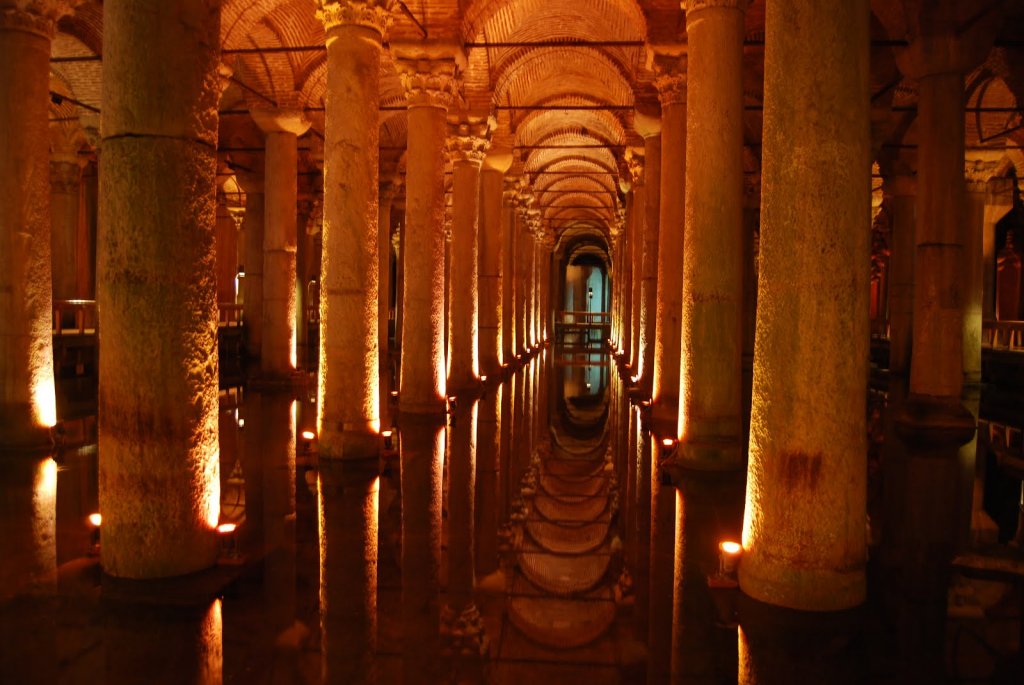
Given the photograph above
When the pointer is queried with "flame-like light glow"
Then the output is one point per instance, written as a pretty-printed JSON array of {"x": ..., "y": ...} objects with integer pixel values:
[
  {"x": 48, "y": 478},
  {"x": 212, "y": 477},
  {"x": 95, "y": 520},
  {"x": 308, "y": 435},
  {"x": 729, "y": 547},
  {"x": 668, "y": 442}
]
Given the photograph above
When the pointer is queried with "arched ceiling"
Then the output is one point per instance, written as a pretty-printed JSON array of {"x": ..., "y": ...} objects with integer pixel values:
[{"x": 562, "y": 78}]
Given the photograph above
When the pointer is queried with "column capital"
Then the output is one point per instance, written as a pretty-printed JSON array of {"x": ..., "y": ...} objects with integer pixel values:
[
  {"x": 371, "y": 14},
  {"x": 978, "y": 172},
  {"x": 35, "y": 16},
  {"x": 429, "y": 82},
  {"x": 510, "y": 191},
  {"x": 468, "y": 141},
  {"x": 287, "y": 118},
  {"x": 670, "y": 79},
  {"x": 635, "y": 164},
  {"x": 65, "y": 176},
  {"x": 941, "y": 53},
  {"x": 647, "y": 125}
]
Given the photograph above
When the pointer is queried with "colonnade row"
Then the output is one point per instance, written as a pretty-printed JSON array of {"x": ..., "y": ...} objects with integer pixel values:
[{"x": 798, "y": 303}]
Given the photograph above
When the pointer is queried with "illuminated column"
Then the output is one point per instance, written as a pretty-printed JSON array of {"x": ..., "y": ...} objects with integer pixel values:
[
  {"x": 349, "y": 418},
  {"x": 804, "y": 532},
  {"x": 638, "y": 223},
  {"x": 671, "y": 84},
  {"x": 388, "y": 191},
  {"x": 615, "y": 233},
  {"x": 430, "y": 86},
  {"x": 282, "y": 128},
  {"x": 900, "y": 190},
  {"x": 650, "y": 129},
  {"x": 626, "y": 270},
  {"x": 251, "y": 284},
  {"x": 159, "y": 481},
  {"x": 467, "y": 147},
  {"x": 27, "y": 403},
  {"x": 710, "y": 383},
  {"x": 492, "y": 262},
  {"x": 508, "y": 242},
  {"x": 998, "y": 201},
  {"x": 65, "y": 215}
]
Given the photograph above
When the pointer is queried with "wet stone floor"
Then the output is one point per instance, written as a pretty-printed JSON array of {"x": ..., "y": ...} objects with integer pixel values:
[{"x": 551, "y": 548}]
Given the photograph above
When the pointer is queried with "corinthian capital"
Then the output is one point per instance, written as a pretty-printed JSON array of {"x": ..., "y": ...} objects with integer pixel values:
[
  {"x": 35, "y": 16},
  {"x": 429, "y": 82},
  {"x": 372, "y": 14},
  {"x": 692, "y": 6},
  {"x": 469, "y": 141},
  {"x": 670, "y": 78},
  {"x": 635, "y": 163},
  {"x": 978, "y": 173}
]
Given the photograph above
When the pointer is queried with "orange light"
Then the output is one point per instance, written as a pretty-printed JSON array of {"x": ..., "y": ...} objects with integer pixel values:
[
  {"x": 308, "y": 435},
  {"x": 483, "y": 379},
  {"x": 730, "y": 547},
  {"x": 668, "y": 442},
  {"x": 227, "y": 528},
  {"x": 95, "y": 520}
]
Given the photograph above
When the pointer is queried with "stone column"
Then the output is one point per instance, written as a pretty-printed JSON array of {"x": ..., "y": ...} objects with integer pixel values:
[
  {"x": 626, "y": 242},
  {"x": 650, "y": 128},
  {"x": 901, "y": 190},
  {"x": 508, "y": 319},
  {"x": 803, "y": 533},
  {"x": 27, "y": 401},
  {"x": 282, "y": 127},
  {"x": 671, "y": 84},
  {"x": 226, "y": 236},
  {"x": 492, "y": 263},
  {"x": 349, "y": 401},
  {"x": 251, "y": 285},
  {"x": 86, "y": 248},
  {"x": 521, "y": 258},
  {"x": 710, "y": 383},
  {"x": 467, "y": 147},
  {"x": 637, "y": 227},
  {"x": 430, "y": 86},
  {"x": 65, "y": 217},
  {"x": 387, "y": 196},
  {"x": 998, "y": 203},
  {"x": 159, "y": 481}
]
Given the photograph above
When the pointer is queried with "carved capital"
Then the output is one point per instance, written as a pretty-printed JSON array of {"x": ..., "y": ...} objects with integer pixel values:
[
  {"x": 510, "y": 192},
  {"x": 65, "y": 177},
  {"x": 635, "y": 163},
  {"x": 978, "y": 173},
  {"x": 288, "y": 117},
  {"x": 468, "y": 142},
  {"x": 371, "y": 14},
  {"x": 35, "y": 16},
  {"x": 671, "y": 87},
  {"x": 429, "y": 82},
  {"x": 692, "y": 6}
]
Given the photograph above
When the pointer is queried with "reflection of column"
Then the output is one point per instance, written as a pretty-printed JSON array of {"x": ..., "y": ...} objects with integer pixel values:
[
  {"x": 900, "y": 190},
  {"x": 282, "y": 128},
  {"x": 159, "y": 470},
  {"x": 490, "y": 452},
  {"x": 803, "y": 530},
  {"x": 348, "y": 570},
  {"x": 671, "y": 85},
  {"x": 662, "y": 566},
  {"x": 252, "y": 283},
  {"x": 28, "y": 406},
  {"x": 710, "y": 414}
]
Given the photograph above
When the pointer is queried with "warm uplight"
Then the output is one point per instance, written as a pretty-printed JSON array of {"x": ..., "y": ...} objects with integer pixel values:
[
  {"x": 388, "y": 436},
  {"x": 730, "y": 547},
  {"x": 44, "y": 401},
  {"x": 227, "y": 528},
  {"x": 483, "y": 379},
  {"x": 241, "y": 423},
  {"x": 728, "y": 556},
  {"x": 95, "y": 520},
  {"x": 668, "y": 442},
  {"x": 308, "y": 435},
  {"x": 48, "y": 481}
]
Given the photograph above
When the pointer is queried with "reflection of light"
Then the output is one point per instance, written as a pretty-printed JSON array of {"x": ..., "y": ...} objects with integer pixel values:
[
  {"x": 95, "y": 520},
  {"x": 213, "y": 636},
  {"x": 241, "y": 423},
  {"x": 388, "y": 442},
  {"x": 668, "y": 442}
]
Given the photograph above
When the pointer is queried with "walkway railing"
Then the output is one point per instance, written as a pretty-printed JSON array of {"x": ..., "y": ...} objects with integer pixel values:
[
  {"x": 78, "y": 317},
  {"x": 586, "y": 318},
  {"x": 582, "y": 328},
  {"x": 1003, "y": 335}
]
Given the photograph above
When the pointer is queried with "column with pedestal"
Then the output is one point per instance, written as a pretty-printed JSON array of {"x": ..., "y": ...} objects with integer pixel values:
[
  {"x": 65, "y": 213},
  {"x": 804, "y": 526},
  {"x": 159, "y": 480},
  {"x": 27, "y": 401},
  {"x": 900, "y": 190},
  {"x": 282, "y": 127}
]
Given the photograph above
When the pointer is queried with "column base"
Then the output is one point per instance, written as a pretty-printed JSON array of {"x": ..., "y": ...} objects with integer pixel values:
[
  {"x": 804, "y": 589},
  {"x": 928, "y": 421},
  {"x": 26, "y": 439}
]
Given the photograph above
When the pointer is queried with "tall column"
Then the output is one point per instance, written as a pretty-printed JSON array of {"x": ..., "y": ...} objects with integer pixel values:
[
  {"x": 710, "y": 383},
  {"x": 282, "y": 128},
  {"x": 492, "y": 263},
  {"x": 65, "y": 215},
  {"x": 159, "y": 482},
  {"x": 386, "y": 197},
  {"x": 467, "y": 147},
  {"x": 671, "y": 84},
  {"x": 999, "y": 201},
  {"x": 626, "y": 242},
  {"x": 27, "y": 401},
  {"x": 650, "y": 128},
  {"x": 508, "y": 261},
  {"x": 430, "y": 86},
  {"x": 251, "y": 284},
  {"x": 349, "y": 402},
  {"x": 638, "y": 223},
  {"x": 901, "y": 190},
  {"x": 803, "y": 530}
]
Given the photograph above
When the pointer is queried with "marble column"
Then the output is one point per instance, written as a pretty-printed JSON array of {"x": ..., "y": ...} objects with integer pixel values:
[
  {"x": 282, "y": 127},
  {"x": 710, "y": 383},
  {"x": 626, "y": 242},
  {"x": 650, "y": 128},
  {"x": 65, "y": 218},
  {"x": 159, "y": 481},
  {"x": 430, "y": 86},
  {"x": 508, "y": 270},
  {"x": 386, "y": 197},
  {"x": 638, "y": 224},
  {"x": 27, "y": 401},
  {"x": 251, "y": 285},
  {"x": 804, "y": 526},
  {"x": 492, "y": 263},
  {"x": 900, "y": 190},
  {"x": 671, "y": 84}
]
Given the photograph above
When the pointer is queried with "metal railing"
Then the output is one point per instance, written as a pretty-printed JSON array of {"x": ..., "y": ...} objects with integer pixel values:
[
  {"x": 78, "y": 317},
  {"x": 586, "y": 318},
  {"x": 229, "y": 315}
]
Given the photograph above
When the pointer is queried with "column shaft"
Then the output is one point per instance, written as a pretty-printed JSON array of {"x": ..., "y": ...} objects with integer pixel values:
[
  {"x": 649, "y": 284},
  {"x": 278, "y": 355},
  {"x": 901, "y": 270},
  {"x": 492, "y": 253},
  {"x": 803, "y": 532}
]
